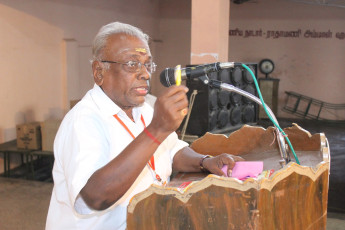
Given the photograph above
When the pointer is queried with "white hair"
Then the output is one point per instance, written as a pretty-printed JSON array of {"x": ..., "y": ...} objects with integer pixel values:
[{"x": 114, "y": 28}]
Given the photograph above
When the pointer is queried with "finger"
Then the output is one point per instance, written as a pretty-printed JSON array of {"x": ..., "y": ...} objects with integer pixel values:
[
  {"x": 179, "y": 108},
  {"x": 184, "y": 112},
  {"x": 175, "y": 89},
  {"x": 178, "y": 103},
  {"x": 224, "y": 160},
  {"x": 229, "y": 172},
  {"x": 229, "y": 160},
  {"x": 234, "y": 157},
  {"x": 218, "y": 172},
  {"x": 238, "y": 158},
  {"x": 231, "y": 165},
  {"x": 213, "y": 165},
  {"x": 178, "y": 100}
]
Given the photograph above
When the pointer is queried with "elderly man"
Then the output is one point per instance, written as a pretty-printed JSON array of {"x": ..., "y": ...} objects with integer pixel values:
[{"x": 112, "y": 145}]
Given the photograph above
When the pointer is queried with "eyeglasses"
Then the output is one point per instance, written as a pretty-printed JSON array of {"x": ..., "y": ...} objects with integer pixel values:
[{"x": 135, "y": 66}]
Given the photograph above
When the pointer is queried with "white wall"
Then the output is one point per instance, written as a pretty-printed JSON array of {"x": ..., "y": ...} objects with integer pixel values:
[
  {"x": 310, "y": 66},
  {"x": 173, "y": 46},
  {"x": 45, "y": 48},
  {"x": 45, "y": 53},
  {"x": 30, "y": 70}
]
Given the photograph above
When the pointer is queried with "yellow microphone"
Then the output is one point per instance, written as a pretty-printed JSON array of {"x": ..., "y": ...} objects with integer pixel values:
[{"x": 178, "y": 75}]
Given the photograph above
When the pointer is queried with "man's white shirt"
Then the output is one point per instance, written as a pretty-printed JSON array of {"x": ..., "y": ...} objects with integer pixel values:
[{"x": 88, "y": 138}]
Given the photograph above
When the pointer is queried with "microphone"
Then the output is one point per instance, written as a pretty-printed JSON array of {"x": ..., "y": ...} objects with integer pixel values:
[{"x": 168, "y": 78}]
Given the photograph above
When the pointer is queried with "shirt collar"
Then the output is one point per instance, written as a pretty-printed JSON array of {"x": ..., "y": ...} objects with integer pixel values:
[{"x": 108, "y": 107}]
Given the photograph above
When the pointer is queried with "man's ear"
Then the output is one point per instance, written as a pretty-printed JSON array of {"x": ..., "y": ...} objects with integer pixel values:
[{"x": 97, "y": 70}]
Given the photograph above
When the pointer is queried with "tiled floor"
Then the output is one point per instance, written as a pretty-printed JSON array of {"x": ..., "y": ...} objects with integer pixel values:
[{"x": 24, "y": 205}]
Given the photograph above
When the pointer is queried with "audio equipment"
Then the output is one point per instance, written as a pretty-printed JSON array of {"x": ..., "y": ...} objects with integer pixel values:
[{"x": 219, "y": 111}]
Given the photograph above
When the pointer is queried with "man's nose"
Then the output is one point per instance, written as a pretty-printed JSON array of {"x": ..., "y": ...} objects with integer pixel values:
[{"x": 144, "y": 73}]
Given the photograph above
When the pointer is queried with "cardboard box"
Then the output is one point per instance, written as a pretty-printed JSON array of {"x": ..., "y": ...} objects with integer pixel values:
[
  {"x": 49, "y": 129},
  {"x": 29, "y": 136}
]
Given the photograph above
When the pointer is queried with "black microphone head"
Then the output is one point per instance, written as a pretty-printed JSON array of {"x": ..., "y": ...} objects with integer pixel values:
[{"x": 167, "y": 77}]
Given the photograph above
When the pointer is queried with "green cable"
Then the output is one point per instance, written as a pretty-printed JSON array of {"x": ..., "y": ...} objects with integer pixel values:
[{"x": 268, "y": 114}]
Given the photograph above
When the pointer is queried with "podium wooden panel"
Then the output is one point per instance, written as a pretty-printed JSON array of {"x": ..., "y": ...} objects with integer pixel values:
[{"x": 293, "y": 197}]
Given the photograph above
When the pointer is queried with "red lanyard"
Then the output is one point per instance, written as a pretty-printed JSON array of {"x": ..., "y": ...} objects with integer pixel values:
[{"x": 151, "y": 163}]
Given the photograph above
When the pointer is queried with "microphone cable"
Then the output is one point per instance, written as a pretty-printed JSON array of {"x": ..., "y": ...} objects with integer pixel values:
[{"x": 268, "y": 114}]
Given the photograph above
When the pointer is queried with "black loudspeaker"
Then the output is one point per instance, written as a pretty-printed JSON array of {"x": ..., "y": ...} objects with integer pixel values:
[{"x": 220, "y": 111}]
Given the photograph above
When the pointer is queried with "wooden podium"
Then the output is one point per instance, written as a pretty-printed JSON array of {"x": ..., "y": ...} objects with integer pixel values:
[{"x": 293, "y": 197}]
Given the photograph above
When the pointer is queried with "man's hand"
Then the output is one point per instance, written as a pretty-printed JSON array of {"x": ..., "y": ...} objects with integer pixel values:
[
  {"x": 170, "y": 109},
  {"x": 215, "y": 164}
]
